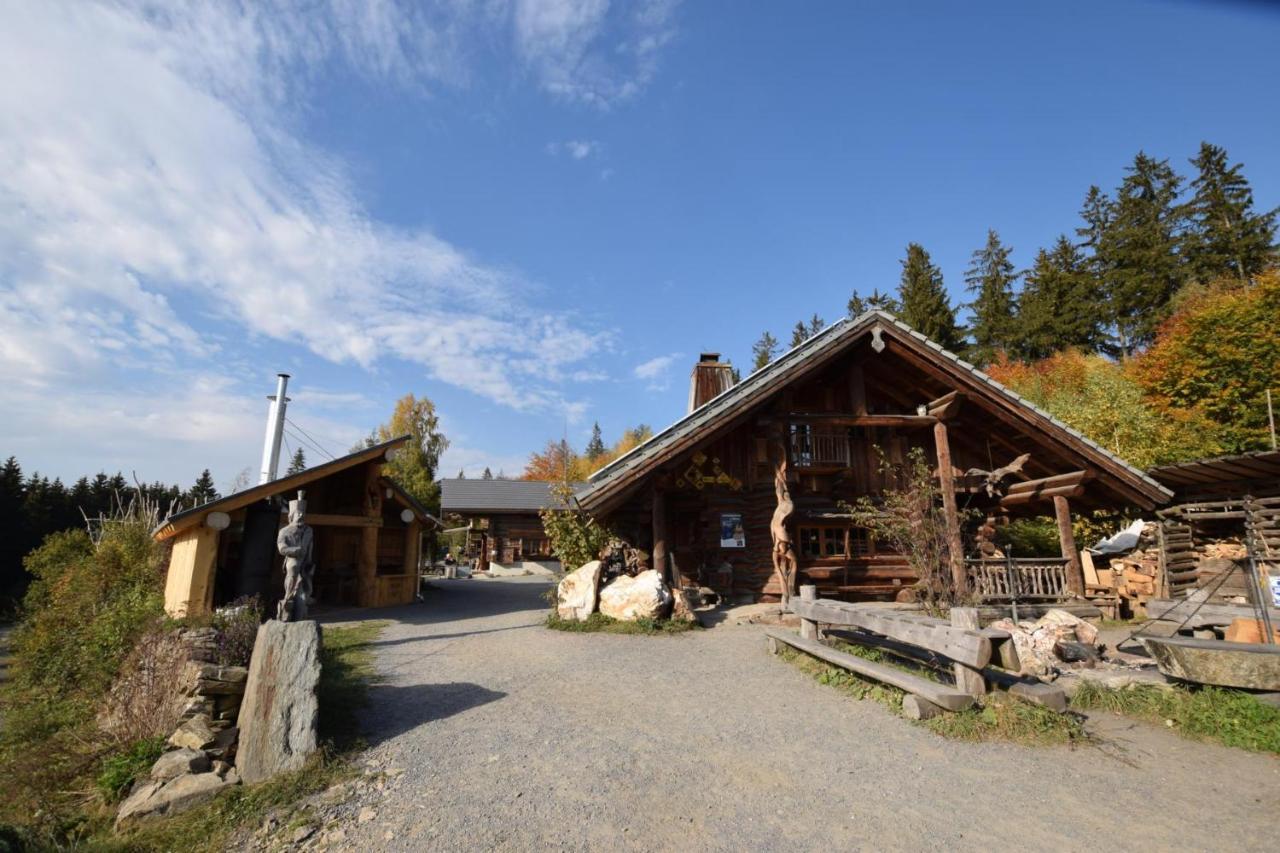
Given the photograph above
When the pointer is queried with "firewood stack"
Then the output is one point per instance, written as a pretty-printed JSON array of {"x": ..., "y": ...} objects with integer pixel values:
[{"x": 1132, "y": 578}]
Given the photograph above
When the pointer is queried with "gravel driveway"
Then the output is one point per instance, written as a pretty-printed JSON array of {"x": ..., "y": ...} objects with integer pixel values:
[{"x": 514, "y": 737}]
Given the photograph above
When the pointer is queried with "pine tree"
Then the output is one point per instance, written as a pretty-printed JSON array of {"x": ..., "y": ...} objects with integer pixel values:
[
  {"x": 799, "y": 334},
  {"x": 1227, "y": 237},
  {"x": 595, "y": 447},
  {"x": 298, "y": 463},
  {"x": 1058, "y": 307},
  {"x": 764, "y": 350},
  {"x": 203, "y": 491},
  {"x": 487, "y": 474},
  {"x": 462, "y": 473},
  {"x": 925, "y": 304},
  {"x": 816, "y": 325},
  {"x": 877, "y": 301},
  {"x": 1138, "y": 251},
  {"x": 991, "y": 276}
]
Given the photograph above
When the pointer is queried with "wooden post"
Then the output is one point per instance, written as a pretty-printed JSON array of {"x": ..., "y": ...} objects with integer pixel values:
[
  {"x": 188, "y": 586},
  {"x": 968, "y": 680},
  {"x": 1067, "y": 540},
  {"x": 660, "y": 561},
  {"x": 367, "y": 561},
  {"x": 947, "y": 483},
  {"x": 808, "y": 628}
]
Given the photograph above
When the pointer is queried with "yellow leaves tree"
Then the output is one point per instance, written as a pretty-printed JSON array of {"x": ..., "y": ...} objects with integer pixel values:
[
  {"x": 558, "y": 461},
  {"x": 414, "y": 468}
]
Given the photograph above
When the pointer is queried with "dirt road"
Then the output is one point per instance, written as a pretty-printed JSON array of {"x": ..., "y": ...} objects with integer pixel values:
[{"x": 514, "y": 737}]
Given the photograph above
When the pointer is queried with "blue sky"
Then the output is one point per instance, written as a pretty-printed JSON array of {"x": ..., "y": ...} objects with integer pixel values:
[{"x": 535, "y": 212}]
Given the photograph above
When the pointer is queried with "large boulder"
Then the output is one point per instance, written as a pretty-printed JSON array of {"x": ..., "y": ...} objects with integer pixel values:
[
  {"x": 156, "y": 799},
  {"x": 644, "y": 596},
  {"x": 576, "y": 593},
  {"x": 179, "y": 762},
  {"x": 278, "y": 716}
]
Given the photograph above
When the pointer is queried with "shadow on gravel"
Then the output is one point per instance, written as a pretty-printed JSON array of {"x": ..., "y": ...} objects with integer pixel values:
[{"x": 394, "y": 710}]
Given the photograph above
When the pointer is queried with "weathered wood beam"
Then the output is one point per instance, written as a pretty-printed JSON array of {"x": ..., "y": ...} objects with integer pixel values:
[
  {"x": 939, "y": 694},
  {"x": 947, "y": 481},
  {"x": 969, "y": 647},
  {"x": 968, "y": 680},
  {"x": 317, "y": 519},
  {"x": 1073, "y": 478},
  {"x": 660, "y": 561},
  {"x": 1067, "y": 542},
  {"x": 1031, "y": 497},
  {"x": 946, "y": 406}
]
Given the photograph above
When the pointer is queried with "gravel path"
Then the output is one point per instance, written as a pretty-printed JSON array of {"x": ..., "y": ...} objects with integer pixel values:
[{"x": 513, "y": 737}]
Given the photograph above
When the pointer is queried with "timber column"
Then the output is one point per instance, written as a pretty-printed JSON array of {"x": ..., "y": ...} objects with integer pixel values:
[
  {"x": 660, "y": 560},
  {"x": 367, "y": 567},
  {"x": 1067, "y": 542},
  {"x": 947, "y": 482}
]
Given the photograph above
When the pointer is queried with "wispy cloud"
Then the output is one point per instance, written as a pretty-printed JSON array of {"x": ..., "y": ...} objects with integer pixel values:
[
  {"x": 588, "y": 51},
  {"x": 656, "y": 371},
  {"x": 578, "y": 149}
]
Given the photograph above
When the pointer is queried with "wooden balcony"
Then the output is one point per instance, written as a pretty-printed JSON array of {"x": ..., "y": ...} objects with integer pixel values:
[
  {"x": 820, "y": 450},
  {"x": 1033, "y": 579}
]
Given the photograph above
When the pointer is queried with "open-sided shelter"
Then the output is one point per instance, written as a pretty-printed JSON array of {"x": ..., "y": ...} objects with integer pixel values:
[
  {"x": 787, "y": 444},
  {"x": 368, "y": 538}
]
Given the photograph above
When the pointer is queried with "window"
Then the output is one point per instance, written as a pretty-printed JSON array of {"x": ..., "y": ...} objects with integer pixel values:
[{"x": 817, "y": 543}]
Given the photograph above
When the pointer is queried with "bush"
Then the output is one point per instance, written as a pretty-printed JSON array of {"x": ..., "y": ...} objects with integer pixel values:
[
  {"x": 575, "y": 537},
  {"x": 120, "y": 770}
]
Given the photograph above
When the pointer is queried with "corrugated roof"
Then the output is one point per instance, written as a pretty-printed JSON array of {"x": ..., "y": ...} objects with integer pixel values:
[
  {"x": 761, "y": 382},
  {"x": 1257, "y": 465},
  {"x": 468, "y": 495}
]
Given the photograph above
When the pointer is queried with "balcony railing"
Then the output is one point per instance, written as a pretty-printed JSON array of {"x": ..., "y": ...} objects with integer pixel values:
[
  {"x": 1025, "y": 579},
  {"x": 820, "y": 450}
]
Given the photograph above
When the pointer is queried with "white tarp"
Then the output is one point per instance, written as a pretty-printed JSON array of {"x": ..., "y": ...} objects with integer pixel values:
[{"x": 1120, "y": 543}]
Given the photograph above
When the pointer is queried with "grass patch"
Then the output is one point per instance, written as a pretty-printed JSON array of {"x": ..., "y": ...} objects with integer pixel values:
[
  {"x": 119, "y": 771},
  {"x": 345, "y": 674},
  {"x": 598, "y": 623},
  {"x": 1001, "y": 718},
  {"x": 1214, "y": 714}
]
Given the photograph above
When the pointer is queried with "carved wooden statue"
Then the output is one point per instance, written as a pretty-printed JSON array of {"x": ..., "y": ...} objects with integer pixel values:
[
  {"x": 295, "y": 542},
  {"x": 992, "y": 482},
  {"x": 784, "y": 552}
]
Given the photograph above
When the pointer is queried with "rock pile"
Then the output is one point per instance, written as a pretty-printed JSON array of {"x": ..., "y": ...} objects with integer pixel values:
[
  {"x": 1054, "y": 639},
  {"x": 625, "y": 597}
]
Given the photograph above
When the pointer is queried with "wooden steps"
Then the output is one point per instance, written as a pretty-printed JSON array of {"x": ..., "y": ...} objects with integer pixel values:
[{"x": 931, "y": 691}]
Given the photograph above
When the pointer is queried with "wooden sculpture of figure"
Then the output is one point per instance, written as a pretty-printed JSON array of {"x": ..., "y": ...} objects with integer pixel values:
[
  {"x": 784, "y": 552},
  {"x": 294, "y": 543}
]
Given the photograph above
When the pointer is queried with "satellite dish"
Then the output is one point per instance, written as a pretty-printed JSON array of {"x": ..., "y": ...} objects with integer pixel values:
[{"x": 406, "y": 515}]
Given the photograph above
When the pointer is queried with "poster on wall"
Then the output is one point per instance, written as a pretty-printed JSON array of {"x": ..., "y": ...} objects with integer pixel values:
[{"x": 732, "y": 533}]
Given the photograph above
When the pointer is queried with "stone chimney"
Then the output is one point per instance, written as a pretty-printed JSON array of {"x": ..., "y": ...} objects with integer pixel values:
[{"x": 710, "y": 378}]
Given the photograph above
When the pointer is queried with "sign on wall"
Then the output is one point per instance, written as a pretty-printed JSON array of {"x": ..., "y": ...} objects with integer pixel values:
[{"x": 732, "y": 533}]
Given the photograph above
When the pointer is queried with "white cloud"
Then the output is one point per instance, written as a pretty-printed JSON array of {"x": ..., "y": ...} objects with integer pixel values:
[
  {"x": 656, "y": 371},
  {"x": 150, "y": 179},
  {"x": 584, "y": 50}
]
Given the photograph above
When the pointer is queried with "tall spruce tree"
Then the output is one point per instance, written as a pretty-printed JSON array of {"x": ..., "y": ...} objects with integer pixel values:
[
  {"x": 1058, "y": 307},
  {"x": 877, "y": 301},
  {"x": 1137, "y": 245},
  {"x": 763, "y": 350},
  {"x": 1227, "y": 237},
  {"x": 298, "y": 463},
  {"x": 816, "y": 324},
  {"x": 595, "y": 447},
  {"x": 925, "y": 304},
  {"x": 991, "y": 276},
  {"x": 203, "y": 491},
  {"x": 799, "y": 334},
  {"x": 486, "y": 474}
]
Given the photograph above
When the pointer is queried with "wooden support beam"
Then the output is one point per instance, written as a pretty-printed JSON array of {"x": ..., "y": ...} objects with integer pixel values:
[
  {"x": 660, "y": 561},
  {"x": 367, "y": 558},
  {"x": 967, "y": 679},
  {"x": 947, "y": 478},
  {"x": 808, "y": 628},
  {"x": 1023, "y": 498},
  {"x": 1067, "y": 542},
  {"x": 322, "y": 520},
  {"x": 857, "y": 390},
  {"x": 946, "y": 406},
  {"x": 188, "y": 586}
]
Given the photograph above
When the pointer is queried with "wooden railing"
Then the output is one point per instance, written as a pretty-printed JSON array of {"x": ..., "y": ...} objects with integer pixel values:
[
  {"x": 818, "y": 450},
  {"x": 1025, "y": 579}
]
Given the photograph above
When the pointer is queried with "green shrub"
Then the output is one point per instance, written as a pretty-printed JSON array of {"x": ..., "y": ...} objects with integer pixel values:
[
  {"x": 575, "y": 537},
  {"x": 119, "y": 771}
]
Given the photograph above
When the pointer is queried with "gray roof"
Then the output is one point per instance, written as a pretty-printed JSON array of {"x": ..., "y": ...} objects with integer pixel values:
[
  {"x": 762, "y": 380},
  {"x": 468, "y": 495}
]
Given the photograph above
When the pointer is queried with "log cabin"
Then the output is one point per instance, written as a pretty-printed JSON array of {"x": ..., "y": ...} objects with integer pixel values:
[
  {"x": 502, "y": 520},
  {"x": 368, "y": 538},
  {"x": 761, "y": 466}
]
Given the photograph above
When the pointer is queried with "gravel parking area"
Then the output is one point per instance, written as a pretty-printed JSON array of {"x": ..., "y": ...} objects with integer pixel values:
[{"x": 500, "y": 734}]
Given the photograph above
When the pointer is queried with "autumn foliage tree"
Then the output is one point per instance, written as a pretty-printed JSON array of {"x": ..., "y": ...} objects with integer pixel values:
[
  {"x": 558, "y": 461},
  {"x": 1217, "y": 356},
  {"x": 414, "y": 468}
]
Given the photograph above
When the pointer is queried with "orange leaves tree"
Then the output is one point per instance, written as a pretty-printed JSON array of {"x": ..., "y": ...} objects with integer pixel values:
[{"x": 1217, "y": 356}]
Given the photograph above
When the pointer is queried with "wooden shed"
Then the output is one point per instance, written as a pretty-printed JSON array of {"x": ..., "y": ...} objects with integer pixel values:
[
  {"x": 368, "y": 538},
  {"x": 787, "y": 444},
  {"x": 503, "y": 519}
]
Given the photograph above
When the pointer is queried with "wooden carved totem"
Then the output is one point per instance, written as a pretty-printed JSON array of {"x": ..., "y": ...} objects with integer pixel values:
[{"x": 784, "y": 552}]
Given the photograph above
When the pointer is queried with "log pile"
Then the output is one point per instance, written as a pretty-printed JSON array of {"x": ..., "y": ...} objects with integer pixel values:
[{"x": 1130, "y": 580}]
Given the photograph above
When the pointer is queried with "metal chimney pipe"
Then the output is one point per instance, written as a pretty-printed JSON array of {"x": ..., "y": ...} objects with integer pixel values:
[{"x": 275, "y": 431}]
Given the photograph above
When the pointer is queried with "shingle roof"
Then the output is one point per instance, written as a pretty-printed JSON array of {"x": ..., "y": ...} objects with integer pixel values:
[
  {"x": 497, "y": 495},
  {"x": 763, "y": 381}
]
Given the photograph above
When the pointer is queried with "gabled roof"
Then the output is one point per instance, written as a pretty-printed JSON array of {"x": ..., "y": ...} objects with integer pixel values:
[
  {"x": 818, "y": 351},
  {"x": 465, "y": 495},
  {"x": 193, "y": 517},
  {"x": 411, "y": 502}
]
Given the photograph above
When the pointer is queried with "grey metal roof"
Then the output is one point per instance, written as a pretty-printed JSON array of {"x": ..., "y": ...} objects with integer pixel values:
[
  {"x": 497, "y": 495},
  {"x": 831, "y": 337}
]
